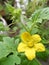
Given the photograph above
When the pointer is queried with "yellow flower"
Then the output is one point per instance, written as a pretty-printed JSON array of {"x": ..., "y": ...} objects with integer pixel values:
[
  {"x": 30, "y": 45},
  {"x": 39, "y": 47}
]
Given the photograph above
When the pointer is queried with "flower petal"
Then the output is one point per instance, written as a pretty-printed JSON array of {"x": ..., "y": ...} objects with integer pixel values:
[
  {"x": 30, "y": 53},
  {"x": 39, "y": 47},
  {"x": 25, "y": 37},
  {"x": 21, "y": 47},
  {"x": 36, "y": 38}
]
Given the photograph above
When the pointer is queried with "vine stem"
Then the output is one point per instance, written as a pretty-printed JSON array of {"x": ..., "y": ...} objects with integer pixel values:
[
  {"x": 12, "y": 23},
  {"x": 23, "y": 23},
  {"x": 32, "y": 26},
  {"x": 25, "y": 27}
]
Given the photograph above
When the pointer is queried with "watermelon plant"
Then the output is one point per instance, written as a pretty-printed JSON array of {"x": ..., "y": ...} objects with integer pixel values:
[{"x": 30, "y": 41}]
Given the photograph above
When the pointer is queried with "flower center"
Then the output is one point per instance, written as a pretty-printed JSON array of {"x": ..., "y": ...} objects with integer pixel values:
[{"x": 30, "y": 44}]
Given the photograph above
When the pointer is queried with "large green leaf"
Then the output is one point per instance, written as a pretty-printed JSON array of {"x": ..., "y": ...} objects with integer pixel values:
[
  {"x": 9, "y": 43},
  {"x": 32, "y": 62},
  {"x": 7, "y": 46},
  {"x": 11, "y": 60},
  {"x": 8, "y": 52},
  {"x": 4, "y": 51}
]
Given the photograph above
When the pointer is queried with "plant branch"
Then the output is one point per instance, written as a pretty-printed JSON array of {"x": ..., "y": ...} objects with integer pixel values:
[{"x": 4, "y": 21}]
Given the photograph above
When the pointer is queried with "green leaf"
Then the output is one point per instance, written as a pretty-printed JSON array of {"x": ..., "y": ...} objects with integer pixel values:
[
  {"x": 16, "y": 42},
  {"x": 7, "y": 46},
  {"x": 9, "y": 7},
  {"x": 11, "y": 60},
  {"x": 24, "y": 62},
  {"x": 34, "y": 30},
  {"x": 39, "y": 15},
  {"x": 47, "y": 51},
  {"x": 15, "y": 28},
  {"x": 2, "y": 27},
  {"x": 9, "y": 43},
  {"x": 42, "y": 55},
  {"x": 4, "y": 51},
  {"x": 34, "y": 62},
  {"x": 14, "y": 12}
]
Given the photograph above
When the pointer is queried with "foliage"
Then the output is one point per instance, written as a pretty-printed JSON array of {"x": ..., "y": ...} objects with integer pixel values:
[
  {"x": 35, "y": 24},
  {"x": 33, "y": 5},
  {"x": 2, "y": 27},
  {"x": 15, "y": 13},
  {"x": 8, "y": 56}
]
